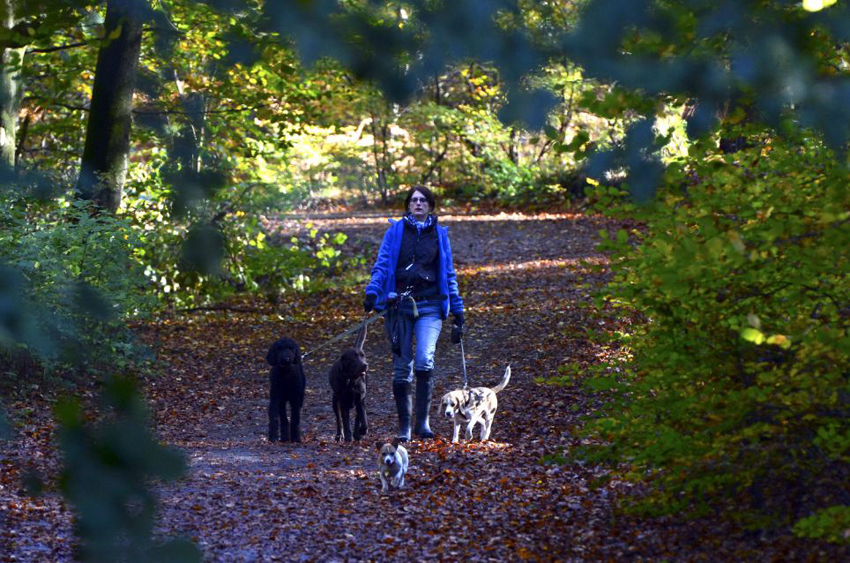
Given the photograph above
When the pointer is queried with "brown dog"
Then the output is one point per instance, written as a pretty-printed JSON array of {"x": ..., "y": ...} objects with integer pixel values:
[{"x": 348, "y": 383}]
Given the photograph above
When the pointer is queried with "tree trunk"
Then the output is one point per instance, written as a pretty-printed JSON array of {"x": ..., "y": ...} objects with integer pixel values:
[
  {"x": 104, "y": 164},
  {"x": 11, "y": 89}
]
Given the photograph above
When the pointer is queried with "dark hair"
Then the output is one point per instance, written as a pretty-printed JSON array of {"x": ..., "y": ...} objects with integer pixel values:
[{"x": 429, "y": 195}]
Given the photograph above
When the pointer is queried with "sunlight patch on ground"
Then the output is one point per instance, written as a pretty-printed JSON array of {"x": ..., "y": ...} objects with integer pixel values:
[
  {"x": 449, "y": 215},
  {"x": 476, "y": 445},
  {"x": 513, "y": 216},
  {"x": 533, "y": 265}
]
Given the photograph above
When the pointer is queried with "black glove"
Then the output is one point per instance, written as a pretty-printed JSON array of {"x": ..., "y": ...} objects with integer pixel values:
[
  {"x": 458, "y": 320},
  {"x": 369, "y": 302},
  {"x": 457, "y": 329}
]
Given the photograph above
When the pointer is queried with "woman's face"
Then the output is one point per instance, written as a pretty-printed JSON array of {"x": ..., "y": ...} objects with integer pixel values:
[{"x": 418, "y": 206}]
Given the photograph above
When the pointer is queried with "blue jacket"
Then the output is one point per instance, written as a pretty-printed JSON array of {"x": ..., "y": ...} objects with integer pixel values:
[{"x": 383, "y": 272}]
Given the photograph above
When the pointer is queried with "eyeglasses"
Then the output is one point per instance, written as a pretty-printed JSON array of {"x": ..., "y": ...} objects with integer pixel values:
[{"x": 418, "y": 199}]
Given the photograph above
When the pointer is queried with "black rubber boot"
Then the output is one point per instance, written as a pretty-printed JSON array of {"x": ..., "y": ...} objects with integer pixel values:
[
  {"x": 424, "y": 386},
  {"x": 401, "y": 393}
]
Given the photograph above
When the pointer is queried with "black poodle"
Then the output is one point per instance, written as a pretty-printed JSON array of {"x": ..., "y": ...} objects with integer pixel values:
[{"x": 286, "y": 385}]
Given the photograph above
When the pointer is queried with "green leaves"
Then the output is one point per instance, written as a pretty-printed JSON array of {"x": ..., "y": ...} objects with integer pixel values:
[
  {"x": 830, "y": 524},
  {"x": 736, "y": 371},
  {"x": 70, "y": 279},
  {"x": 203, "y": 250},
  {"x": 106, "y": 474}
]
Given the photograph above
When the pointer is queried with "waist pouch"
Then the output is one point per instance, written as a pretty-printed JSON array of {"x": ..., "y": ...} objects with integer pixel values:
[{"x": 392, "y": 320}]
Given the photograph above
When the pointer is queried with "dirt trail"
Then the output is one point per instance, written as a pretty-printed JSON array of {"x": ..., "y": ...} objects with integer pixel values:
[
  {"x": 247, "y": 500},
  {"x": 526, "y": 292}
]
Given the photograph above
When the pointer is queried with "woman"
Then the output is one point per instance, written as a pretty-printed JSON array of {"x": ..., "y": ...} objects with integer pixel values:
[{"x": 415, "y": 259}]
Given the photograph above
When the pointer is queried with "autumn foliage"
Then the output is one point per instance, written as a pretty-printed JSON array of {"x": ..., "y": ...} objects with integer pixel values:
[{"x": 736, "y": 392}]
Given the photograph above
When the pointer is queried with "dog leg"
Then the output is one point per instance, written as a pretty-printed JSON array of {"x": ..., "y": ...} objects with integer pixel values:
[
  {"x": 485, "y": 428},
  {"x": 469, "y": 427},
  {"x": 456, "y": 432},
  {"x": 360, "y": 427},
  {"x": 338, "y": 415},
  {"x": 274, "y": 414},
  {"x": 295, "y": 423},
  {"x": 384, "y": 484},
  {"x": 346, "y": 424},
  {"x": 284, "y": 422}
]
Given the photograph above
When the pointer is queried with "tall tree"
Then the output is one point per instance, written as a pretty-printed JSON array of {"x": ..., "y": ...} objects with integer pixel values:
[
  {"x": 11, "y": 58},
  {"x": 104, "y": 163}
]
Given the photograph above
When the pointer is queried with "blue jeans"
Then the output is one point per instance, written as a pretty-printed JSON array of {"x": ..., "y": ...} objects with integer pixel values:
[{"x": 425, "y": 329}]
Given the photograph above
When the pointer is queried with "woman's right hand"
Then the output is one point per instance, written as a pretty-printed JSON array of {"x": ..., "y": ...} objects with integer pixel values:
[{"x": 369, "y": 302}]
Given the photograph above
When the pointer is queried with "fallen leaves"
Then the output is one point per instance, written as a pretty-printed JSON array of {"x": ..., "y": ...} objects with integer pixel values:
[{"x": 526, "y": 292}]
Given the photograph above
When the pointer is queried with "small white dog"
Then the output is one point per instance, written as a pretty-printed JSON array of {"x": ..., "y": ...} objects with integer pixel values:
[
  {"x": 392, "y": 464},
  {"x": 473, "y": 406}
]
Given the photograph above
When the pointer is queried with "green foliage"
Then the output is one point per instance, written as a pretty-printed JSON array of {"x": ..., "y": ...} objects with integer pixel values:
[
  {"x": 296, "y": 264},
  {"x": 830, "y": 524},
  {"x": 739, "y": 385},
  {"x": 76, "y": 281},
  {"x": 209, "y": 255},
  {"x": 107, "y": 469},
  {"x": 776, "y": 56}
]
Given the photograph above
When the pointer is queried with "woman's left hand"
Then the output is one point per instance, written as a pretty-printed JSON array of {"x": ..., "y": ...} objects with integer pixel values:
[
  {"x": 458, "y": 320},
  {"x": 457, "y": 329}
]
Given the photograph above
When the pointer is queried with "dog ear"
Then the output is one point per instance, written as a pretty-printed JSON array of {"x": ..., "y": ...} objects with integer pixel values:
[
  {"x": 271, "y": 357},
  {"x": 378, "y": 445}
]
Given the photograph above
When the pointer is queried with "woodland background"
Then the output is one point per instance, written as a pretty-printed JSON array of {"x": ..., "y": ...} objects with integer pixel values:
[{"x": 146, "y": 149}]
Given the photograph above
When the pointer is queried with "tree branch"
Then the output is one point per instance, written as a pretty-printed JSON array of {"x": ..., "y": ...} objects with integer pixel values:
[
  {"x": 205, "y": 112},
  {"x": 61, "y": 47},
  {"x": 232, "y": 308}
]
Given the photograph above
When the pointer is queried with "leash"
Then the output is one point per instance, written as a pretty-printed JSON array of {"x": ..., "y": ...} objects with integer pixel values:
[
  {"x": 393, "y": 300},
  {"x": 463, "y": 363},
  {"x": 359, "y": 326},
  {"x": 396, "y": 299}
]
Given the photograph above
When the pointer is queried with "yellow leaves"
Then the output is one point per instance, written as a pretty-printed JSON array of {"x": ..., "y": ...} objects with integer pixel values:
[
  {"x": 780, "y": 340},
  {"x": 817, "y": 5},
  {"x": 737, "y": 241},
  {"x": 757, "y": 337},
  {"x": 752, "y": 335},
  {"x": 114, "y": 34},
  {"x": 737, "y": 116}
]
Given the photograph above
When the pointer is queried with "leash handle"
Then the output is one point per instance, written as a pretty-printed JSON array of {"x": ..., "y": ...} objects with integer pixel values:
[{"x": 396, "y": 299}]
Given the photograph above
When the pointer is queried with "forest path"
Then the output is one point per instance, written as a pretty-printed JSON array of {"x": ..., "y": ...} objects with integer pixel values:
[
  {"x": 526, "y": 286},
  {"x": 248, "y": 500}
]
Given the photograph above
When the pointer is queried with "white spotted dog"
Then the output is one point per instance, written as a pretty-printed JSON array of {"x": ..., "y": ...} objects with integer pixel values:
[
  {"x": 473, "y": 406},
  {"x": 392, "y": 464}
]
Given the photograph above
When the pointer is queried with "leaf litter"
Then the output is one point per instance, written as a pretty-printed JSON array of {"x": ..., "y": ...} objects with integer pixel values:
[{"x": 526, "y": 281}]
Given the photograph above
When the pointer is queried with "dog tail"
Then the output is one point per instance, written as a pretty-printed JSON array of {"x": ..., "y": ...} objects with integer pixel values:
[
  {"x": 361, "y": 337},
  {"x": 505, "y": 380}
]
